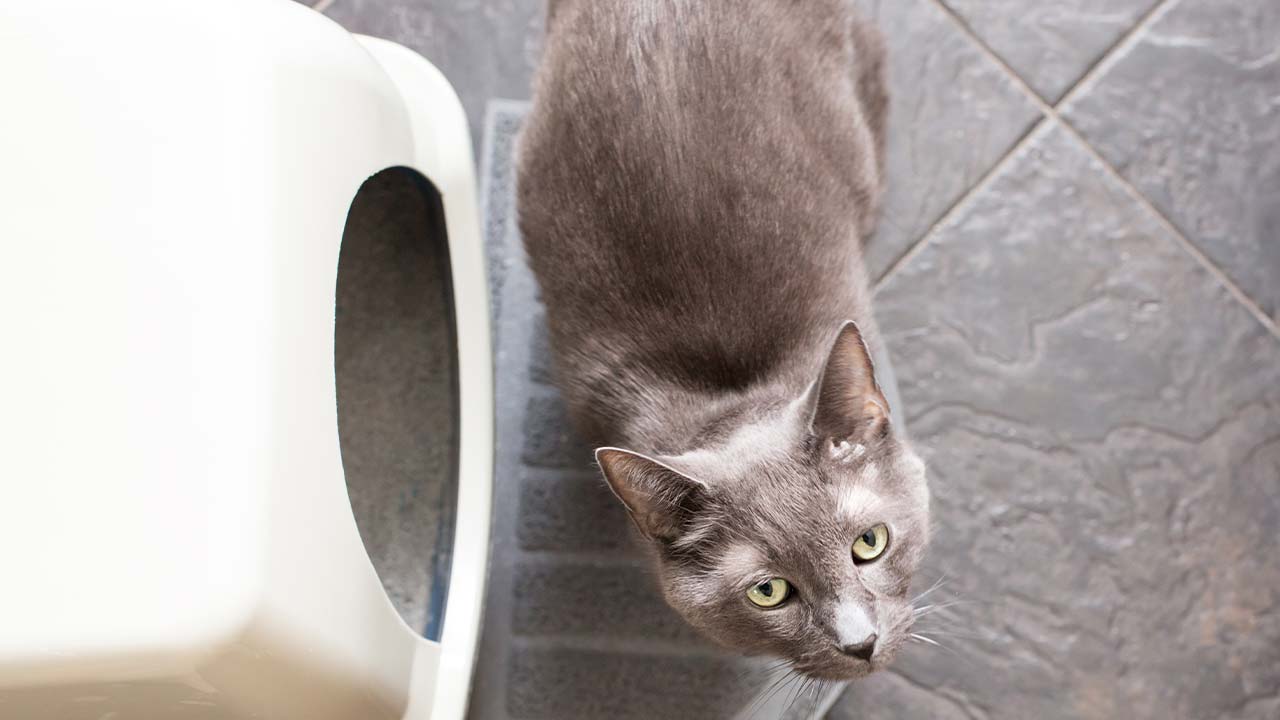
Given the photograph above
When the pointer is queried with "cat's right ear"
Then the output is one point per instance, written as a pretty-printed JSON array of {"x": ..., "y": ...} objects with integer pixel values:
[
  {"x": 660, "y": 499},
  {"x": 847, "y": 404}
]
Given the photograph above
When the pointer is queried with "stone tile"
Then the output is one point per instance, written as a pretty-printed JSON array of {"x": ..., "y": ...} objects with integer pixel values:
[
  {"x": 954, "y": 113},
  {"x": 1102, "y": 422},
  {"x": 1189, "y": 115},
  {"x": 549, "y": 439},
  {"x": 601, "y": 601},
  {"x": 564, "y": 684},
  {"x": 487, "y": 48},
  {"x": 1051, "y": 43},
  {"x": 571, "y": 512}
]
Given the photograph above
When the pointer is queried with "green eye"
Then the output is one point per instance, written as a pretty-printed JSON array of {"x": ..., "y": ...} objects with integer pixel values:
[
  {"x": 871, "y": 544},
  {"x": 770, "y": 593}
]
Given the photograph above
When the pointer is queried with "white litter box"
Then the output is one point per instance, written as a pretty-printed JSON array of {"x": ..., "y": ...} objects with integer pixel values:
[{"x": 176, "y": 535}]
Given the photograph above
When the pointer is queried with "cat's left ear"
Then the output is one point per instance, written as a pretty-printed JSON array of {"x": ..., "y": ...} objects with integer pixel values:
[
  {"x": 660, "y": 499},
  {"x": 847, "y": 403}
]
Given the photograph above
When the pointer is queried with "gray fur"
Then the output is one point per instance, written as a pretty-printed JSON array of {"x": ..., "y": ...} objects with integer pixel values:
[{"x": 695, "y": 178}]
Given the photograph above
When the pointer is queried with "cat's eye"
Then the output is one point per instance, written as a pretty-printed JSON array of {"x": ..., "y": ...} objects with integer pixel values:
[
  {"x": 770, "y": 593},
  {"x": 871, "y": 544}
]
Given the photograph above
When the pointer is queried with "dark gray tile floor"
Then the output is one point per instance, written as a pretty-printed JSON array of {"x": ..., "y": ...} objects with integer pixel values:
[
  {"x": 1079, "y": 284},
  {"x": 1104, "y": 425},
  {"x": 1190, "y": 114}
]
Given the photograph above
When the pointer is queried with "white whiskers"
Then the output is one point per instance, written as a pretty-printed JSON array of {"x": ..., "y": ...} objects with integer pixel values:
[
  {"x": 925, "y": 639},
  {"x": 932, "y": 588},
  {"x": 937, "y": 620}
]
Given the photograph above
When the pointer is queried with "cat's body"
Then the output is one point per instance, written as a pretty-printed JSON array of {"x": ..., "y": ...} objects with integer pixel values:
[
  {"x": 694, "y": 182},
  {"x": 697, "y": 201}
]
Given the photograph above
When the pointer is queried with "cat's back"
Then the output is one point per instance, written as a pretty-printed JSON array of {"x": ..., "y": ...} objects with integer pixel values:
[{"x": 693, "y": 178}]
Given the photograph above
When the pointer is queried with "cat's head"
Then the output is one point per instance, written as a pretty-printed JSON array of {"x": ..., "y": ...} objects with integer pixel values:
[{"x": 796, "y": 536}]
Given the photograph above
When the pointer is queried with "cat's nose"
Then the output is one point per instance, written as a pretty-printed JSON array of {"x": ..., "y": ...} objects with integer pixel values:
[{"x": 861, "y": 650}]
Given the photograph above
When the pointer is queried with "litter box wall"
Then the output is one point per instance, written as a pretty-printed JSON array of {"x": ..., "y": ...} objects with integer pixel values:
[{"x": 176, "y": 530}]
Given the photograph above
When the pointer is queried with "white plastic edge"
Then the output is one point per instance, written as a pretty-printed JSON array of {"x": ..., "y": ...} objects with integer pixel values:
[{"x": 444, "y": 155}]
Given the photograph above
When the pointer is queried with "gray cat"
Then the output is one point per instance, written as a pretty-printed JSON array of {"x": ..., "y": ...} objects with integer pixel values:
[{"x": 695, "y": 178}]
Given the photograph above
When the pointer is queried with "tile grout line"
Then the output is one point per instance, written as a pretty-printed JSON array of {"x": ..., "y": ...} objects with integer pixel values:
[
  {"x": 1117, "y": 51},
  {"x": 985, "y": 178},
  {"x": 1179, "y": 238},
  {"x": 1104, "y": 62},
  {"x": 1048, "y": 113},
  {"x": 1054, "y": 112},
  {"x": 983, "y": 182},
  {"x": 1051, "y": 113}
]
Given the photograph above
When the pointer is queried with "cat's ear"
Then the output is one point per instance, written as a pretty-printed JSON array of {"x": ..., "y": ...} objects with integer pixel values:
[
  {"x": 847, "y": 403},
  {"x": 660, "y": 499}
]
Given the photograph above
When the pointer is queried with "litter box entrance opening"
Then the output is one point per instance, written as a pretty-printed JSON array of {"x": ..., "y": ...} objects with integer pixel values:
[{"x": 395, "y": 361}]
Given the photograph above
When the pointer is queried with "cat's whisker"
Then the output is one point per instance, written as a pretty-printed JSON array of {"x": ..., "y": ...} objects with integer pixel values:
[
  {"x": 767, "y": 671},
  {"x": 941, "y": 605},
  {"x": 939, "y": 583},
  {"x": 937, "y": 607},
  {"x": 811, "y": 694},
  {"x": 930, "y": 641},
  {"x": 778, "y": 683},
  {"x": 791, "y": 696},
  {"x": 819, "y": 692},
  {"x": 799, "y": 693},
  {"x": 925, "y": 639},
  {"x": 763, "y": 699},
  {"x": 796, "y": 679}
]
